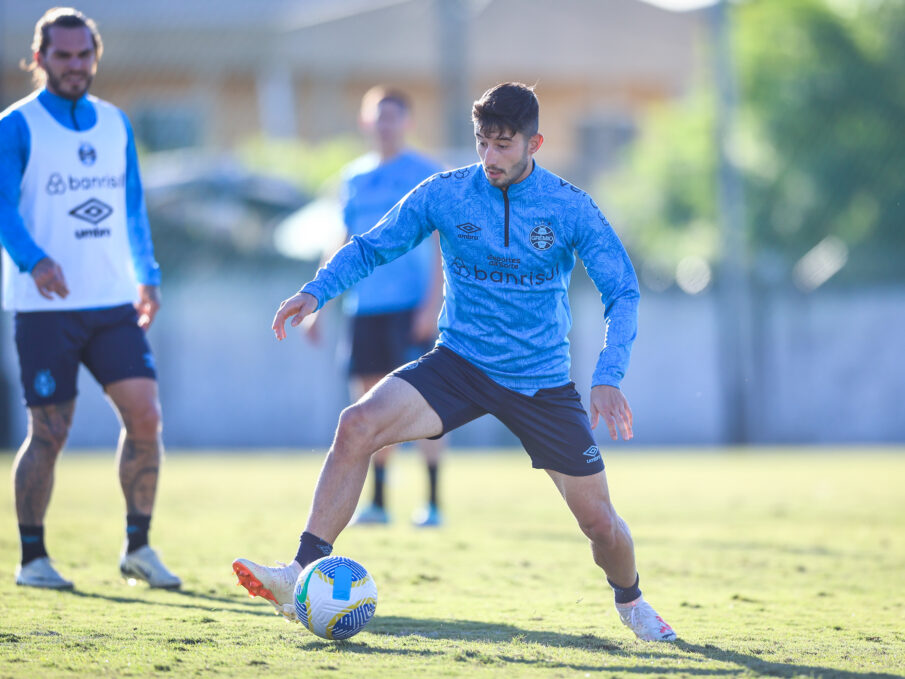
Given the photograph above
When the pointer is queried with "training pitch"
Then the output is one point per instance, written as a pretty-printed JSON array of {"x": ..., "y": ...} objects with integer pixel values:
[{"x": 776, "y": 562}]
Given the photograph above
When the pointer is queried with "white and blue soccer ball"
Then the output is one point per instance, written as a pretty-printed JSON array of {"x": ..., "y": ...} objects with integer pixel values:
[{"x": 335, "y": 597}]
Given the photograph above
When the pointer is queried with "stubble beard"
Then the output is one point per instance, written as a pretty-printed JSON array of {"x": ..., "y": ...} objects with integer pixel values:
[
  {"x": 508, "y": 178},
  {"x": 56, "y": 85}
]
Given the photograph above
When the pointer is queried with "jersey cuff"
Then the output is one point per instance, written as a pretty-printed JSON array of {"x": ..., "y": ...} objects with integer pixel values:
[{"x": 312, "y": 290}]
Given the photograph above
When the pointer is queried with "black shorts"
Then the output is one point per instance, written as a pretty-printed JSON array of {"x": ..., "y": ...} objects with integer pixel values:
[
  {"x": 552, "y": 425},
  {"x": 51, "y": 345},
  {"x": 383, "y": 342}
]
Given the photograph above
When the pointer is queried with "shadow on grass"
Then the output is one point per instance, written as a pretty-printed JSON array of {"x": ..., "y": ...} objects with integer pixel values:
[
  {"x": 525, "y": 654},
  {"x": 775, "y": 669},
  {"x": 254, "y": 608},
  {"x": 681, "y": 656}
]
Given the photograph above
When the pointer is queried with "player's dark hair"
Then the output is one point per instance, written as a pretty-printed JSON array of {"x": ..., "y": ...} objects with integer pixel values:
[
  {"x": 508, "y": 107},
  {"x": 62, "y": 17}
]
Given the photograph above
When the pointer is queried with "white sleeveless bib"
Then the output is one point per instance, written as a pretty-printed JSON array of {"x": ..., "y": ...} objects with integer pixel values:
[{"x": 73, "y": 203}]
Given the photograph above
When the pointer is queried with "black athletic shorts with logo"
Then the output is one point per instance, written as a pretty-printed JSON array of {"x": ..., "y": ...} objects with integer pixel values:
[
  {"x": 383, "y": 342},
  {"x": 51, "y": 345},
  {"x": 552, "y": 425}
]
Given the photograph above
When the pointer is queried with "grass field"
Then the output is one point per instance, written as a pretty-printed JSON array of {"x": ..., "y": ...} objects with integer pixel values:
[{"x": 783, "y": 562}]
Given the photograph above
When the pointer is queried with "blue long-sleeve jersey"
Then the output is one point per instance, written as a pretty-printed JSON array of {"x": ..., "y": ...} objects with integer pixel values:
[
  {"x": 508, "y": 256},
  {"x": 15, "y": 148}
]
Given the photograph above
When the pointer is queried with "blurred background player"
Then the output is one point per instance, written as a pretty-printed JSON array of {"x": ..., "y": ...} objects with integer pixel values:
[
  {"x": 394, "y": 311},
  {"x": 76, "y": 243}
]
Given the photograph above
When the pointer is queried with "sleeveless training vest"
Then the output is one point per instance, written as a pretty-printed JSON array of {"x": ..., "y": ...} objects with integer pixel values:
[{"x": 73, "y": 203}]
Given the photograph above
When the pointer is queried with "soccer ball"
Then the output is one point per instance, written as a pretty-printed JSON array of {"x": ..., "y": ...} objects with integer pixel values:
[{"x": 335, "y": 597}]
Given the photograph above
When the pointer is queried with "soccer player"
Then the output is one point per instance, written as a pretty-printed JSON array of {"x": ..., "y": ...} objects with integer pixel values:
[
  {"x": 393, "y": 311},
  {"x": 76, "y": 244},
  {"x": 509, "y": 231}
]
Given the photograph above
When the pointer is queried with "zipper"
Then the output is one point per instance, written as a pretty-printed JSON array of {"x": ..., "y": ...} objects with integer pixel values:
[
  {"x": 75, "y": 122},
  {"x": 506, "y": 220}
]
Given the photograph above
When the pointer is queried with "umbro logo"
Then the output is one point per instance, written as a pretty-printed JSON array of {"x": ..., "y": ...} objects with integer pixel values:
[
  {"x": 592, "y": 453},
  {"x": 92, "y": 211},
  {"x": 469, "y": 231}
]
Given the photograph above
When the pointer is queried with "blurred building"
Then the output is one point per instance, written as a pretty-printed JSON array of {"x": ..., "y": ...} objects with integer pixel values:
[{"x": 210, "y": 74}]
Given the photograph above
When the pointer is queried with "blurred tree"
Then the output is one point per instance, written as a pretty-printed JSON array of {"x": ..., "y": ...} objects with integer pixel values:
[
  {"x": 819, "y": 141},
  {"x": 311, "y": 167}
]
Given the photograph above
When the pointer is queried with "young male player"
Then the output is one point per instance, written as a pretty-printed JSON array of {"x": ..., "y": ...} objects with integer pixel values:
[
  {"x": 394, "y": 311},
  {"x": 75, "y": 236},
  {"x": 509, "y": 231}
]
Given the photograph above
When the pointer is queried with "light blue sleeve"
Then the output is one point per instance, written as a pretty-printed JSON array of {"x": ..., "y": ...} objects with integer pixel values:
[
  {"x": 611, "y": 270},
  {"x": 15, "y": 146},
  {"x": 147, "y": 271},
  {"x": 398, "y": 231}
]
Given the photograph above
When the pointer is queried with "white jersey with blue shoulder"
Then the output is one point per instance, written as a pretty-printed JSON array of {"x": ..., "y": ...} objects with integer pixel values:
[
  {"x": 508, "y": 256},
  {"x": 72, "y": 203}
]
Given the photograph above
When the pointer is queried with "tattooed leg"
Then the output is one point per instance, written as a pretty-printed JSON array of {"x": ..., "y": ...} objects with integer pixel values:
[
  {"x": 33, "y": 469},
  {"x": 140, "y": 448}
]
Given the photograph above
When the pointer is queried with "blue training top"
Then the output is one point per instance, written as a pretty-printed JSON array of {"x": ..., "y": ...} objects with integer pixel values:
[
  {"x": 15, "y": 148},
  {"x": 370, "y": 190},
  {"x": 508, "y": 256}
]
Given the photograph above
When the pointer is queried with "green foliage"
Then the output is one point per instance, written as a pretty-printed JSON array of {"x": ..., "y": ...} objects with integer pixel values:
[
  {"x": 311, "y": 167},
  {"x": 768, "y": 563},
  {"x": 818, "y": 141},
  {"x": 666, "y": 196}
]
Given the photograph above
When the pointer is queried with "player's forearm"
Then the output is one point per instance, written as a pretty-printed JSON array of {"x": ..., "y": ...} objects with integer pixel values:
[
  {"x": 346, "y": 267},
  {"x": 147, "y": 270},
  {"x": 619, "y": 335},
  {"x": 14, "y": 151}
]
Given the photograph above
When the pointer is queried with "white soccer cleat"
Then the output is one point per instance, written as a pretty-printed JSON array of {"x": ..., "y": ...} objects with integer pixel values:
[
  {"x": 41, "y": 573},
  {"x": 145, "y": 564},
  {"x": 642, "y": 619},
  {"x": 276, "y": 584}
]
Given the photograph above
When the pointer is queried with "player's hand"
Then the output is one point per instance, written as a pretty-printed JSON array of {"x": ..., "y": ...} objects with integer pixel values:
[
  {"x": 298, "y": 306},
  {"x": 49, "y": 279},
  {"x": 147, "y": 305},
  {"x": 610, "y": 404}
]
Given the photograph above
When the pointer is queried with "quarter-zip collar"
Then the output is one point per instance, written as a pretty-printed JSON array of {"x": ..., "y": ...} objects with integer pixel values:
[
  {"x": 78, "y": 115},
  {"x": 514, "y": 192}
]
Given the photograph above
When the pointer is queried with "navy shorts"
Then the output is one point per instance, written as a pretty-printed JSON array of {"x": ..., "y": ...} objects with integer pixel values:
[
  {"x": 552, "y": 425},
  {"x": 51, "y": 345},
  {"x": 383, "y": 342}
]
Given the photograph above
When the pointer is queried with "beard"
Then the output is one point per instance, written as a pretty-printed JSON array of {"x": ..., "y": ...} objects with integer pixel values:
[
  {"x": 63, "y": 88},
  {"x": 507, "y": 178}
]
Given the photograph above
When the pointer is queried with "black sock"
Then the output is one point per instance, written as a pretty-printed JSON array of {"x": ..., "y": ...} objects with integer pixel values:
[
  {"x": 312, "y": 548},
  {"x": 137, "y": 527},
  {"x": 432, "y": 482},
  {"x": 31, "y": 539},
  {"x": 379, "y": 477},
  {"x": 626, "y": 594}
]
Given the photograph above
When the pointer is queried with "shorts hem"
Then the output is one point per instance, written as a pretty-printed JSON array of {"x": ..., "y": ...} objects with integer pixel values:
[{"x": 584, "y": 472}]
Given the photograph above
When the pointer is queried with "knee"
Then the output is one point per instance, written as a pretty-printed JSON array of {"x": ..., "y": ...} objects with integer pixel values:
[
  {"x": 602, "y": 526},
  {"x": 48, "y": 428},
  {"x": 143, "y": 421},
  {"x": 355, "y": 431}
]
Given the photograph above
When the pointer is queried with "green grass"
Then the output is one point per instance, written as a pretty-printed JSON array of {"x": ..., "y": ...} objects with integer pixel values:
[{"x": 768, "y": 563}]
